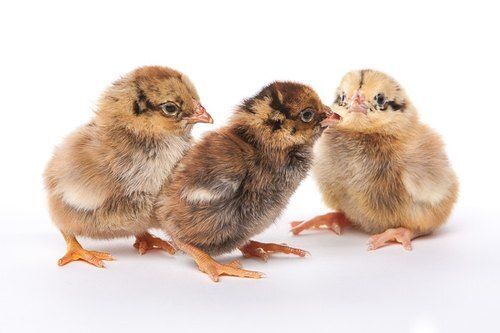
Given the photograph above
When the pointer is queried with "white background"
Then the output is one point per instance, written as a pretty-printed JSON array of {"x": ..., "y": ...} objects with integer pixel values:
[{"x": 56, "y": 58}]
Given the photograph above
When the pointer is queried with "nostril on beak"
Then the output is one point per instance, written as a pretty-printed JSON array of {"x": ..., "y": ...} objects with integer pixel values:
[
  {"x": 200, "y": 110},
  {"x": 357, "y": 98},
  {"x": 200, "y": 115}
]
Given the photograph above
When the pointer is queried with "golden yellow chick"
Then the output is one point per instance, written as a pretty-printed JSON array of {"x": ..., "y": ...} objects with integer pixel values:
[
  {"x": 102, "y": 182},
  {"x": 380, "y": 168}
]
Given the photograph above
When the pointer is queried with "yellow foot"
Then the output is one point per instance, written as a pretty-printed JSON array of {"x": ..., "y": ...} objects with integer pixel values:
[
  {"x": 76, "y": 252},
  {"x": 92, "y": 257},
  {"x": 263, "y": 250},
  {"x": 215, "y": 269},
  {"x": 391, "y": 236},
  {"x": 146, "y": 242},
  {"x": 336, "y": 222}
]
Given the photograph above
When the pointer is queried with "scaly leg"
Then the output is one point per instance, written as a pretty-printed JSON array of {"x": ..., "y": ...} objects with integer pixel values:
[
  {"x": 146, "y": 242},
  {"x": 263, "y": 250},
  {"x": 208, "y": 265},
  {"x": 336, "y": 222},
  {"x": 391, "y": 236},
  {"x": 76, "y": 252}
]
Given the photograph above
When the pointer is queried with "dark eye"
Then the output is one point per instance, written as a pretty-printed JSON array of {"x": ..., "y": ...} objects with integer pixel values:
[
  {"x": 170, "y": 108},
  {"x": 379, "y": 99},
  {"x": 342, "y": 98},
  {"x": 307, "y": 115}
]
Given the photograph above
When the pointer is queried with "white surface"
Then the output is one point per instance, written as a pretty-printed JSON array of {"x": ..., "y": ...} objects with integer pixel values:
[{"x": 57, "y": 57}]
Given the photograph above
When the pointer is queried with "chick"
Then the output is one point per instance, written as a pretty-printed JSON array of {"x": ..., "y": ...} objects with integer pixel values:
[
  {"x": 102, "y": 182},
  {"x": 380, "y": 168},
  {"x": 235, "y": 182}
]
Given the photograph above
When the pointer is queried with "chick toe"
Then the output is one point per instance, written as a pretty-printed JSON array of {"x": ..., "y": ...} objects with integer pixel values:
[
  {"x": 92, "y": 257},
  {"x": 76, "y": 252},
  {"x": 215, "y": 270},
  {"x": 391, "y": 236},
  {"x": 263, "y": 250},
  {"x": 212, "y": 268},
  {"x": 235, "y": 263},
  {"x": 146, "y": 242},
  {"x": 335, "y": 221}
]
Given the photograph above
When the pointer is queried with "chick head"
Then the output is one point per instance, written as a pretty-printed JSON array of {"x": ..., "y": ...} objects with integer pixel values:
[
  {"x": 284, "y": 114},
  {"x": 371, "y": 101},
  {"x": 154, "y": 100}
]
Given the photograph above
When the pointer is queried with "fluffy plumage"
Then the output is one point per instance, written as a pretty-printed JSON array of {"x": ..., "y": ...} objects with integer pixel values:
[
  {"x": 102, "y": 182},
  {"x": 380, "y": 166},
  {"x": 235, "y": 182}
]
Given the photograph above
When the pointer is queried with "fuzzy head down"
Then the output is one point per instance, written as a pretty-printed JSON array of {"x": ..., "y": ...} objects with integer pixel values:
[
  {"x": 152, "y": 100},
  {"x": 282, "y": 114},
  {"x": 372, "y": 102}
]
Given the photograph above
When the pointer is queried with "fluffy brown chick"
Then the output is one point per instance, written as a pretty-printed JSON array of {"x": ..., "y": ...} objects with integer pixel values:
[
  {"x": 235, "y": 182},
  {"x": 380, "y": 168},
  {"x": 102, "y": 182}
]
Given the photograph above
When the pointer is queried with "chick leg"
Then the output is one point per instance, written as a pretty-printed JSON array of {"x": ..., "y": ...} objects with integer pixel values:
[
  {"x": 146, "y": 242},
  {"x": 208, "y": 265},
  {"x": 76, "y": 252},
  {"x": 391, "y": 236},
  {"x": 263, "y": 250},
  {"x": 336, "y": 222}
]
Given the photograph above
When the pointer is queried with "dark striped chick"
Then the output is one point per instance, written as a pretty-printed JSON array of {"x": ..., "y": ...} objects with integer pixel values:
[{"x": 235, "y": 182}]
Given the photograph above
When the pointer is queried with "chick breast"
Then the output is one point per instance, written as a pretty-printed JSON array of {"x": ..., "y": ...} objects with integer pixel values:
[
  {"x": 104, "y": 185},
  {"x": 383, "y": 182},
  {"x": 224, "y": 192}
]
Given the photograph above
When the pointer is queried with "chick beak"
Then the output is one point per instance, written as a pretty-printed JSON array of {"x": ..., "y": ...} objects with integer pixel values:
[
  {"x": 331, "y": 117},
  {"x": 200, "y": 115},
  {"x": 358, "y": 103}
]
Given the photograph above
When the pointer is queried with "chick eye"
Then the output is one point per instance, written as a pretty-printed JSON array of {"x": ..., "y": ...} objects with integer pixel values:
[
  {"x": 379, "y": 99},
  {"x": 307, "y": 115},
  {"x": 342, "y": 98},
  {"x": 169, "y": 108}
]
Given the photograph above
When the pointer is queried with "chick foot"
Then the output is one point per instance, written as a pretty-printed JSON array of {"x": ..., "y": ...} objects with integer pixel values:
[
  {"x": 212, "y": 268},
  {"x": 391, "y": 236},
  {"x": 263, "y": 250},
  {"x": 146, "y": 242},
  {"x": 76, "y": 252},
  {"x": 336, "y": 222}
]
